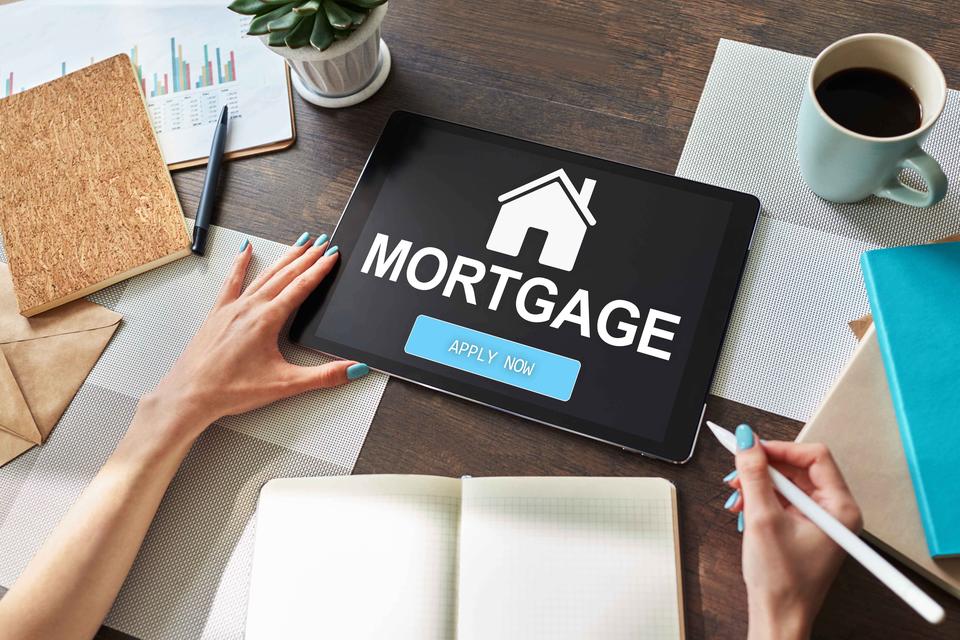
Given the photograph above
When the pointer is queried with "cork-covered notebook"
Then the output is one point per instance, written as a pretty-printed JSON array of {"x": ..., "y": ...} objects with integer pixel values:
[{"x": 86, "y": 199}]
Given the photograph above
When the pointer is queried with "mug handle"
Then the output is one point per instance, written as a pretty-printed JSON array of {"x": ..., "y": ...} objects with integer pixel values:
[{"x": 929, "y": 171}]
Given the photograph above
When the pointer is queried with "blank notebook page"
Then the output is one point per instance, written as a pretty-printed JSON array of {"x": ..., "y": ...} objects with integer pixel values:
[
  {"x": 568, "y": 558},
  {"x": 355, "y": 557}
]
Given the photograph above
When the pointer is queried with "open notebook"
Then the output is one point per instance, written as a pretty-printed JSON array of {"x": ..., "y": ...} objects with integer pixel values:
[{"x": 428, "y": 557}]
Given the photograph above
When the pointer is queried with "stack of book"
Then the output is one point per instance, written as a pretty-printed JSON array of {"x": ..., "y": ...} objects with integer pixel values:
[{"x": 892, "y": 420}]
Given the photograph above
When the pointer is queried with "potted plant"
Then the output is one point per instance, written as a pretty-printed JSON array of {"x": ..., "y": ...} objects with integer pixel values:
[{"x": 333, "y": 46}]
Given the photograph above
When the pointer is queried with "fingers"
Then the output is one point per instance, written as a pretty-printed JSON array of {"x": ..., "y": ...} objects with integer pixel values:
[
  {"x": 282, "y": 278},
  {"x": 759, "y": 500},
  {"x": 298, "y": 249},
  {"x": 827, "y": 485},
  {"x": 815, "y": 458},
  {"x": 796, "y": 475},
  {"x": 233, "y": 285},
  {"x": 328, "y": 375},
  {"x": 293, "y": 295},
  {"x": 810, "y": 467},
  {"x": 795, "y": 453}
]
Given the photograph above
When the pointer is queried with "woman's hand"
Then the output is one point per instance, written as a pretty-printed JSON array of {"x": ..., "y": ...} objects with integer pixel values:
[
  {"x": 233, "y": 364},
  {"x": 788, "y": 562}
]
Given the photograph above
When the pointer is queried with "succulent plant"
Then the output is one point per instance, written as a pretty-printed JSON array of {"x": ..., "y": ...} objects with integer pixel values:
[{"x": 301, "y": 23}]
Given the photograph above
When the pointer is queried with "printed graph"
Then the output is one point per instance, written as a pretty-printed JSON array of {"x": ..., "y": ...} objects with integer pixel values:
[
  {"x": 64, "y": 70},
  {"x": 8, "y": 85},
  {"x": 183, "y": 76},
  {"x": 216, "y": 69},
  {"x": 190, "y": 59}
]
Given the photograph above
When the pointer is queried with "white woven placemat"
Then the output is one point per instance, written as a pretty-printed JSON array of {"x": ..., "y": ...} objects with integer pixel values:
[
  {"x": 788, "y": 338},
  {"x": 190, "y": 578}
]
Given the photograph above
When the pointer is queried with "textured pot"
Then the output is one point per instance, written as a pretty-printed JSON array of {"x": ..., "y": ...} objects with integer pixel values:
[{"x": 349, "y": 71}]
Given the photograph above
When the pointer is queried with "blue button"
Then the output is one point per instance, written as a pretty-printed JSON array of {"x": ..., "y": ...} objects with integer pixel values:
[{"x": 493, "y": 358}]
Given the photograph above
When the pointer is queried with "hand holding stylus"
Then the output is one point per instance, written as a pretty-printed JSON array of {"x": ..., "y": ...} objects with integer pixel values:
[{"x": 797, "y": 523}]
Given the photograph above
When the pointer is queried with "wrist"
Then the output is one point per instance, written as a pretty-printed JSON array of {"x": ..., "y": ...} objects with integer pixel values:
[
  {"x": 174, "y": 401},
  {"x": 784, "y": 622},
  {"x": 161, "y": 432}
]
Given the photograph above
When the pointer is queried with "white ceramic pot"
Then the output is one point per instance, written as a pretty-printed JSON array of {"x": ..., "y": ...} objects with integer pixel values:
[{"x": 349, "y": 71}]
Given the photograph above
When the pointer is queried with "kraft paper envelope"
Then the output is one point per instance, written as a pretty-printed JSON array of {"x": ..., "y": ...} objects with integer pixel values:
[{"x": 43, "y": 362}]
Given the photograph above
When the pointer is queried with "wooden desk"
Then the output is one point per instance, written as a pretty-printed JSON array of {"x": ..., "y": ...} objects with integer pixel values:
[{"x": 619, "y": 80}]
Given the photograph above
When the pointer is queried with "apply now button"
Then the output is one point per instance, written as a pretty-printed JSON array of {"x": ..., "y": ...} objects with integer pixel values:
[{"x": 493, "y": 358}]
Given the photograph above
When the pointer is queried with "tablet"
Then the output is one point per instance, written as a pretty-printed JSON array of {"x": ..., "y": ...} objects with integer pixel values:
[{"x": 580, "y": 293}]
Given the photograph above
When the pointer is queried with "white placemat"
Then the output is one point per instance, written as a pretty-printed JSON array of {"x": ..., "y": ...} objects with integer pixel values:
[
  {"x": 190, "y": 578},
  {"x": 788, "y": 338}
]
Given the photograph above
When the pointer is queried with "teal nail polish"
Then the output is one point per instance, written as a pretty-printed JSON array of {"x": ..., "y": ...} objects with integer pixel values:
[
  {"x": 332, "y": 250},
  {"x": 744, "y": 437},
  {"x": 244, "y": 245},
  {"x": 740, "y": 522},
  {"x": 730, "y": 476},
  {"x": 358, "y": 370},
  {"x": 320, "y": 240},
  {"x": 302, "y": 240},
  {"x": 732, "y": 500}
]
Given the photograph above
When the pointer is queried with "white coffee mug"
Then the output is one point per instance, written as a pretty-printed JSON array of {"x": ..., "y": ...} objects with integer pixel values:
[{"x": 845, "y": 166}]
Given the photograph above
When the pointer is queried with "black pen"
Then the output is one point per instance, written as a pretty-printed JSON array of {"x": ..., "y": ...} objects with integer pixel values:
[{"x": 208, "y": 196}]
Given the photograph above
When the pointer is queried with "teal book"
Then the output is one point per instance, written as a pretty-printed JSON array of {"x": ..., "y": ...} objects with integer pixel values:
[{"x": 915, "y": 298}]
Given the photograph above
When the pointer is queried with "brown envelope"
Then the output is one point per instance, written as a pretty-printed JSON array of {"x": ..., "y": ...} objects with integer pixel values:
[{"x": 43, "y": 362}]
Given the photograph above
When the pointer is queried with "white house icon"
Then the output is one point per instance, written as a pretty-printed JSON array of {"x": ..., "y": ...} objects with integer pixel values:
[{"x": 550, "y": 204}]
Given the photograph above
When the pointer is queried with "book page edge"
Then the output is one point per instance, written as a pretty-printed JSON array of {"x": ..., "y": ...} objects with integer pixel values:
[{"x": 93, "y": 288}]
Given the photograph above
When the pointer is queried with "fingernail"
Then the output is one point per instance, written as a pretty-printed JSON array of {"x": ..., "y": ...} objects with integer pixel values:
[
  {"x": 740, "y": 522},
  {"x": 732, "y": 500},
  {"x": 332, "y": 250},
  {"x": 744, "y": 437},
  {"x": 320, "y": 240},
  {"x": 358, "y": 370},
  {"x": 302, "y": 240},
  {"x": 730, "y": 476},
  {"x": 244, "y": 245}
]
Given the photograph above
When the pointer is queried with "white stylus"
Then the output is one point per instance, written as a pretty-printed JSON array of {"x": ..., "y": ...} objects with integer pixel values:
[{"x": 848, "y": 540}]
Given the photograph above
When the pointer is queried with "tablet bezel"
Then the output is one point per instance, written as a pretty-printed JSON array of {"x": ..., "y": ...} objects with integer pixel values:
[{"x": 688, "y": 408}]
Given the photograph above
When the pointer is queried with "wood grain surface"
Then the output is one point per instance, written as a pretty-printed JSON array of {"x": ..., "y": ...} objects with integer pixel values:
[{"x": 616, "y": 79}]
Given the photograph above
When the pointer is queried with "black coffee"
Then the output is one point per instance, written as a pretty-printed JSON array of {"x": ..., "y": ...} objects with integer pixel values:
[{"x": 869, "y": 101}]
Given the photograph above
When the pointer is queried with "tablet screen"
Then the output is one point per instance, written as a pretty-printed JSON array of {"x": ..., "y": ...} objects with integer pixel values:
[{"x": 555, "y": 286}]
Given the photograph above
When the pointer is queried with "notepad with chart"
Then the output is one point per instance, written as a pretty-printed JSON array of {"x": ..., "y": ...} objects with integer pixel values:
[
  {"x": 190, "y": 58},
  {"x": 438, "y": 558}
]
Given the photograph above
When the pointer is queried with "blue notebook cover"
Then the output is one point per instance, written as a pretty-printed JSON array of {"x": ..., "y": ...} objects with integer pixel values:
[{"x": 915, "y": 298}]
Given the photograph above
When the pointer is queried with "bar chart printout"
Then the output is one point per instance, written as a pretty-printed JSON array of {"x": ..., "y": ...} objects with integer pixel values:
[
  {"x": 189, "y": 59},
  {"x": 212, "y": 70}
]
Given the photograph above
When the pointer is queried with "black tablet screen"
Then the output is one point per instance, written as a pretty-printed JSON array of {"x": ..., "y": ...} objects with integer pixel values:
[{"x": 526, "y": 278}]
